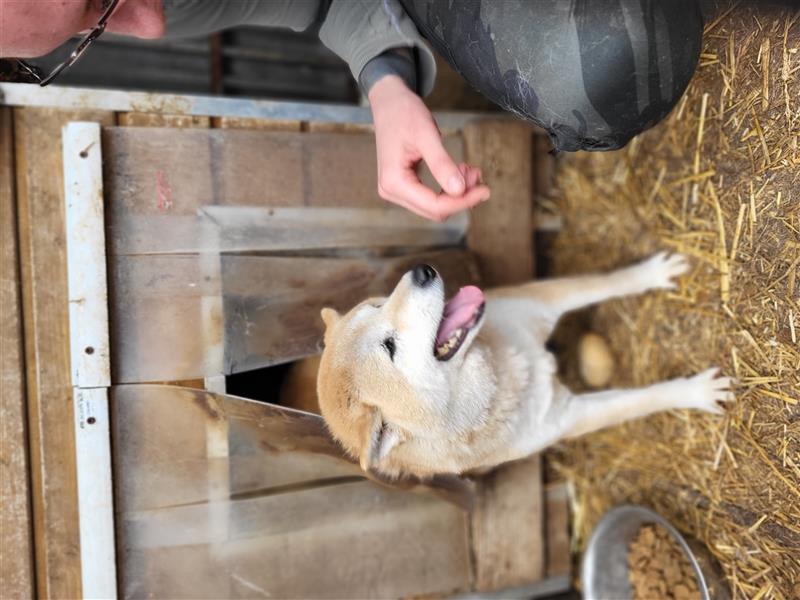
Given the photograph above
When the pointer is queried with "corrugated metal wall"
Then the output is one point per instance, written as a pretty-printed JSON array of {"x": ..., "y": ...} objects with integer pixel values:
[{"x": 246, "y": 61}]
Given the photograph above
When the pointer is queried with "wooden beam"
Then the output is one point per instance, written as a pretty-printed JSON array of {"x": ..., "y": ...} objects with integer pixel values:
[
  {"x": 16, "y": 544},
  {"x": 557, "y": 578},
  {"x": 559, "y": 560},
  {"x": 499, "y": 232},
  {"x": 255, "y": 124},
  {"x": 178, "y": 121},
  {"x": 139, "y": 119},
  {"x": 40, "y": 197},
  {"x": 507, "y": 526}
]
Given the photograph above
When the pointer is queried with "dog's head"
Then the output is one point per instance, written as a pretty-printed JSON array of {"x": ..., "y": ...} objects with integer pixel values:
[{"x": 390, "y": 364}]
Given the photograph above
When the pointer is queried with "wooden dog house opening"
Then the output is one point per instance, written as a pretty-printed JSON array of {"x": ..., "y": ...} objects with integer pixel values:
[{"x": 200, "y": 250}]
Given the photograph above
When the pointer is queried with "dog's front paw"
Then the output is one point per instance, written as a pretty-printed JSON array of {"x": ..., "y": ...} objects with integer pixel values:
[
  {"x": 659, "y": 270},
  {"x": 706, "y": 390}
]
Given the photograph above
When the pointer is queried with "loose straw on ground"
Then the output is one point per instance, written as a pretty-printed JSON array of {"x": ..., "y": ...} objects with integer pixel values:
[{"x": 731, "y": 147}]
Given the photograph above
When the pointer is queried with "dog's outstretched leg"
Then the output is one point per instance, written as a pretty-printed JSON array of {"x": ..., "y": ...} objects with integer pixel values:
[
  {"x": 584, "y": 413},
  {"x": 562, "y": 295}
]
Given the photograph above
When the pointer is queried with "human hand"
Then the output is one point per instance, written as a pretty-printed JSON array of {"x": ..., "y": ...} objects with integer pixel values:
[{"x": 406, "y": 133}]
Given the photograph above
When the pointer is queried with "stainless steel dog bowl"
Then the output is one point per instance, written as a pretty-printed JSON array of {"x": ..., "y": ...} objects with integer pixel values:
[{"x": 604, "y": 572}]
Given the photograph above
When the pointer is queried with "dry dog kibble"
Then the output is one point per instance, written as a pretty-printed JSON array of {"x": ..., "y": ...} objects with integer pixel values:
[{"x": 658, "y": 569}]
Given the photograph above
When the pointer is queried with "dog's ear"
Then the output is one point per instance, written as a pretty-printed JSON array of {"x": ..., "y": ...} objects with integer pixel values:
[
  {"x": 329, "y": 317},
  {"x": 377, "y": 438}
]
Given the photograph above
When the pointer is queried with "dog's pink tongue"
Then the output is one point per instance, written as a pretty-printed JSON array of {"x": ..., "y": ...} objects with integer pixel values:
[{"x": 458, "y": 311}]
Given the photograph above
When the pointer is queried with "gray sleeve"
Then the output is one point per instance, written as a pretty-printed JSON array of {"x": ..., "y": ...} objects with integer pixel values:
[
  {"x": 397, "y": 61},
  {"x": 360, "y": 30}
]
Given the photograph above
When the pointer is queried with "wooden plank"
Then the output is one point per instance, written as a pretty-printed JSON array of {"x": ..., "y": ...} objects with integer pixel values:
[
  {"x": 341, "y": 127},
  {"x": 283, "y": 324},
  {"x": 500, "y": 232},
  {"x": 16, "y": 544},
  {"x": 238, "y": 229},
  {"x": 270, "y": 307},
  {"x": 558, "y": 576},
  {"x": 269, "y": 447},
  {"x": 168, "y": 171},
  {"x": 152, "y": 171},
  {"x": 559, "y": 559},
  {"x": 290, "y": 545},
  {"x": 256, "y": 124},
  {"x": 145, "y": 119},
  {"x": 180, "y": 121},
  {"x": 292, "y": 505},
  {"x": 40, "y": 197},
  {"x": 507, "y": 525}
]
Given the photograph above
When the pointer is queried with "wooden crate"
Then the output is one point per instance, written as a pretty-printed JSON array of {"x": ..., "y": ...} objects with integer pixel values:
[{"x": 217, "y": 496}]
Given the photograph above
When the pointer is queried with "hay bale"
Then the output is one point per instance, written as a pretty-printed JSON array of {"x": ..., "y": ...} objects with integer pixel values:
[{"x": 720, "y": 182}]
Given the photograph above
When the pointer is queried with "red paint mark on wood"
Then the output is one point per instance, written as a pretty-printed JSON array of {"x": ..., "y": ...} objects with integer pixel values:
[{"x": 163, "y": 192}]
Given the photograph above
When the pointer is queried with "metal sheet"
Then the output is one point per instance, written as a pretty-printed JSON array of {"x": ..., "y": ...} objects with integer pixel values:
[
  {"x": 19, "y": 94},
  {"x": 86, "y": 255},
  {"x": 89, "y": 354},
  {"x": 95, "y": 494}
]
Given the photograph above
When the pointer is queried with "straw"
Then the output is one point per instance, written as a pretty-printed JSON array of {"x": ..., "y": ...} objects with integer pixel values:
[{"x": 719, "y": 181}]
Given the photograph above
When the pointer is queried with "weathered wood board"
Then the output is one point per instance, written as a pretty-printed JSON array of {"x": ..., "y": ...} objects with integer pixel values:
[
  {"x": 16, "y": 544},
  {"x": 508, "y": 532},
  {"x": 239, "y": 229},
  {"x": 246, "y": 502},
  {"x": 191, "y": 215},
  {"x": 40, "y": 202},
  {"x": 269, "y": 309},
  {"x": 175, "y": 171},
  {"x": 499, "y": 231},
  {"x": 559, "y": 559},
  {"x": 143, "y": 119},
  {"x": 253, "y": 124}
]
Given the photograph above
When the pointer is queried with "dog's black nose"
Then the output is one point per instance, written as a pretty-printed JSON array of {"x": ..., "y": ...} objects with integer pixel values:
[{"x": 423, "y": 275}]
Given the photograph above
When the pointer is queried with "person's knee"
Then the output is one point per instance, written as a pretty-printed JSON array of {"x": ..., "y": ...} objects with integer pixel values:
[
  {"x": 635, "y": 61},
  {"x": 592, "y": 73}
]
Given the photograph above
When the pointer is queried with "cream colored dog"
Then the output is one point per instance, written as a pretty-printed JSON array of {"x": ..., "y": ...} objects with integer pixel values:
[{"x": 410, "y": 384}]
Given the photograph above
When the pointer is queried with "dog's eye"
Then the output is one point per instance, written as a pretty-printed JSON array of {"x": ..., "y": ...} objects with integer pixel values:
[{"x": 388, "y": 343}]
